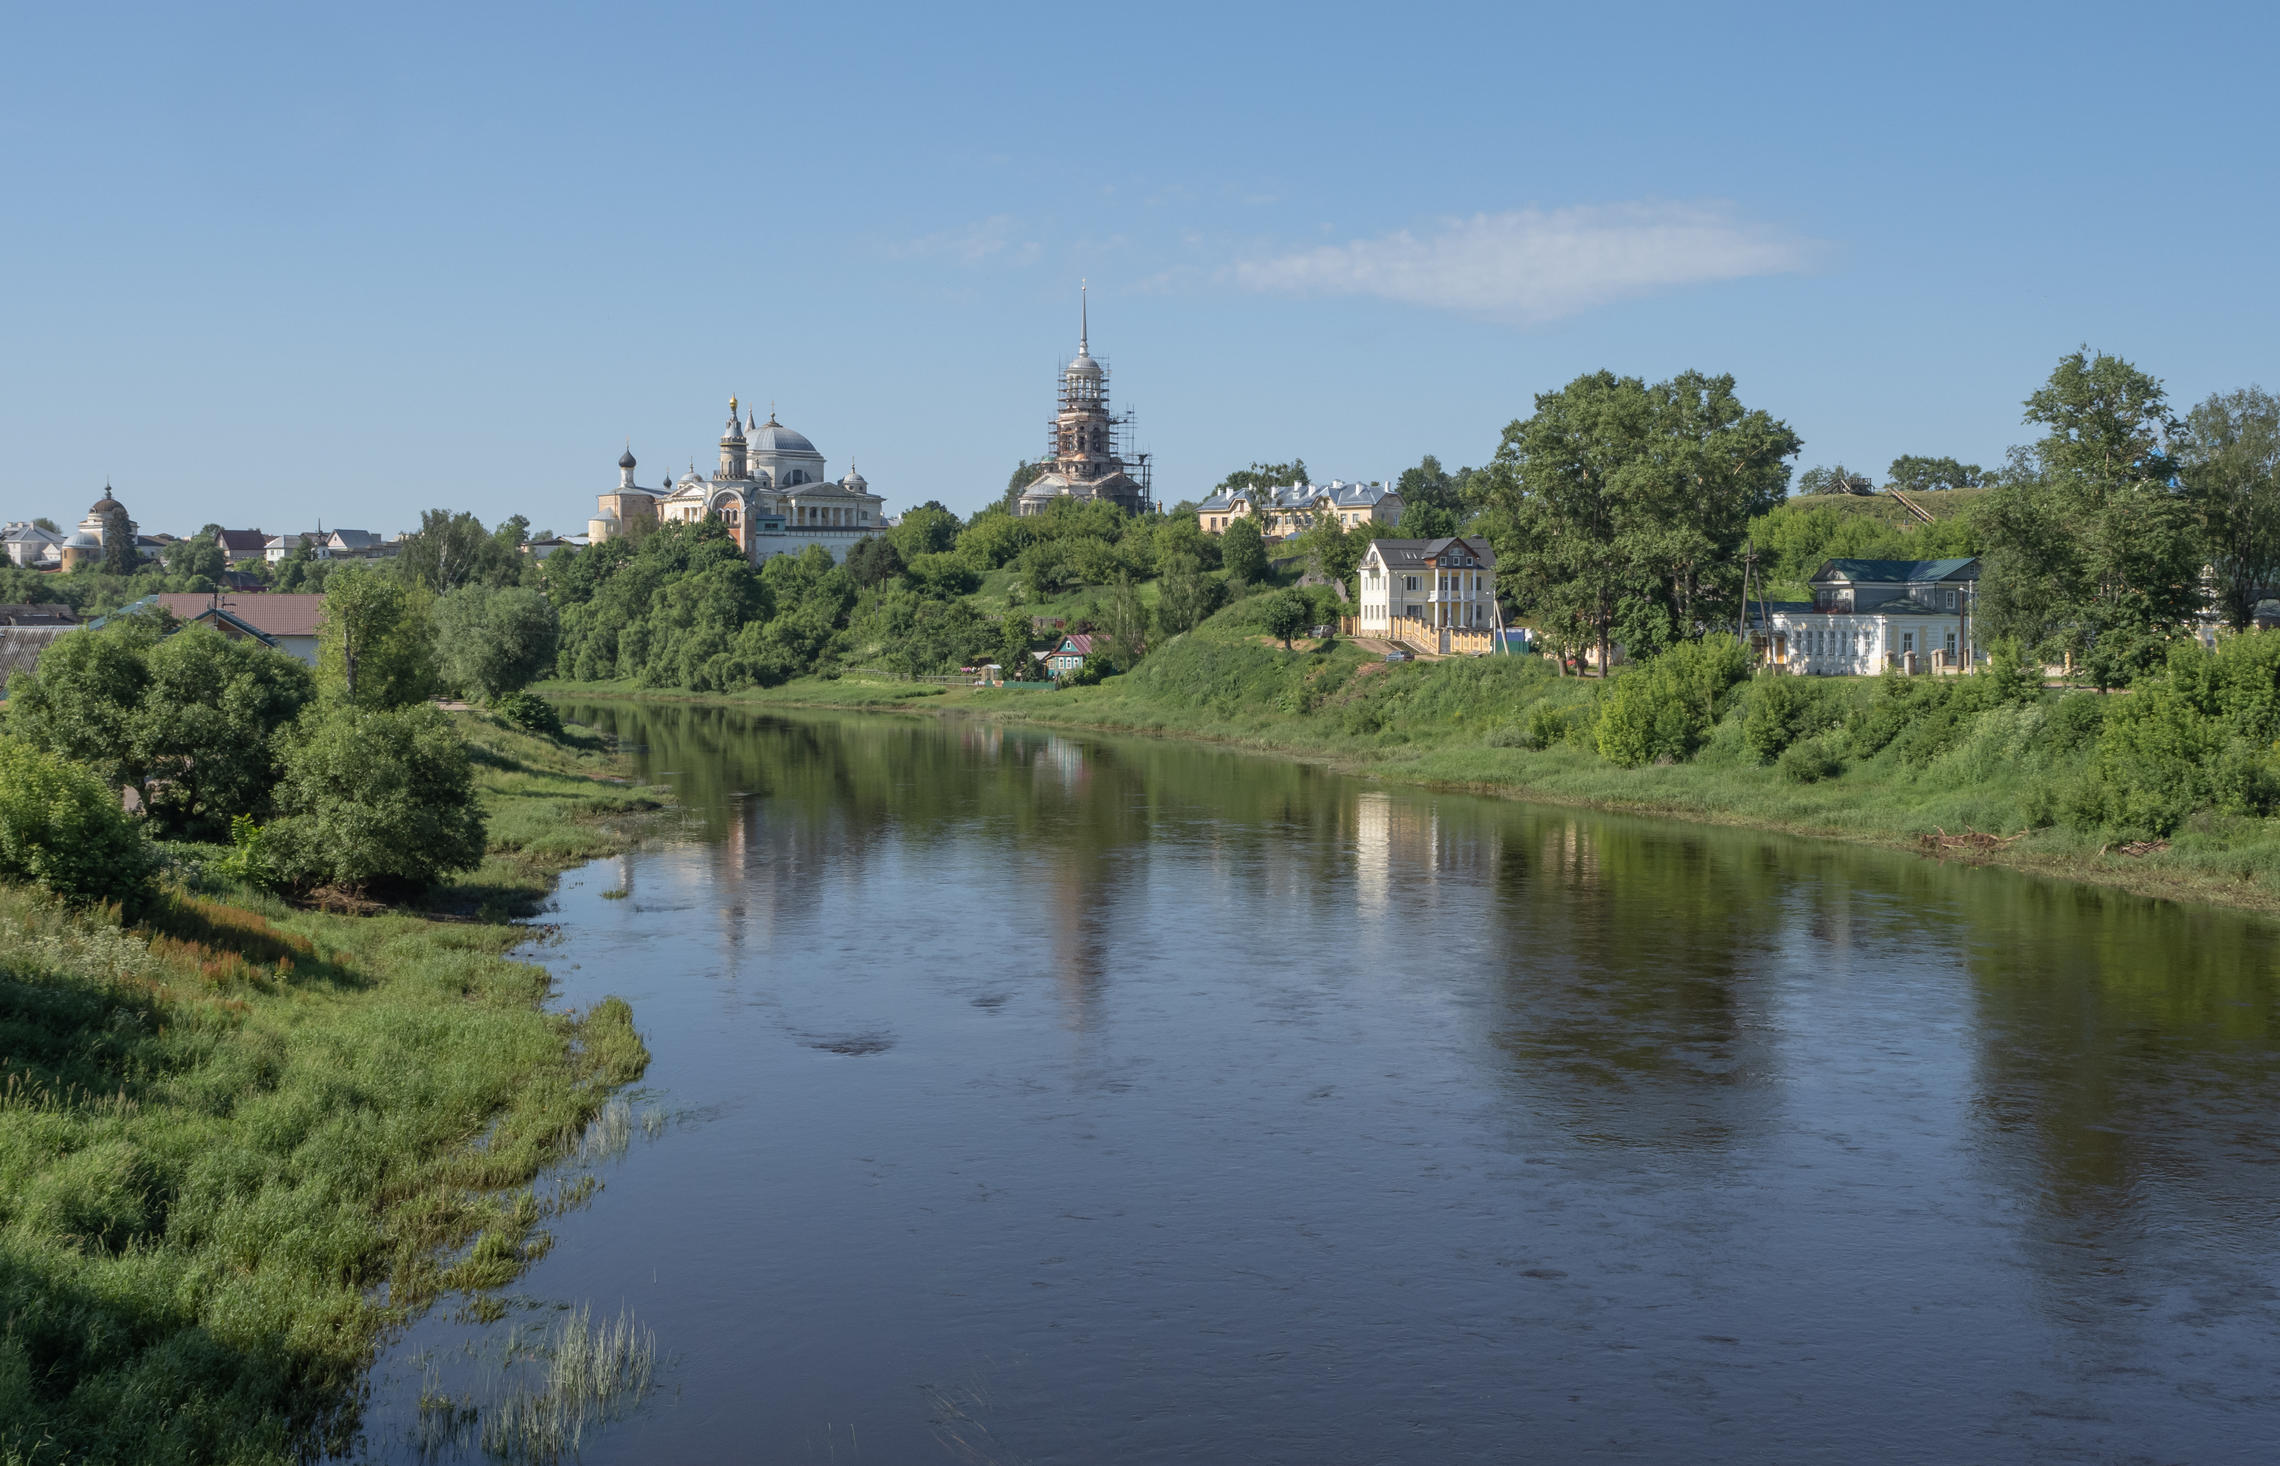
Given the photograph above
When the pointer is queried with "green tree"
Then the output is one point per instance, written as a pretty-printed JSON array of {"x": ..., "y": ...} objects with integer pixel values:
[
  {"x": 2229, "y": 452},
  {"x": 2096, "y": 552},
  {"x": 929, "y": 529},
  {"x": 1334, "y": 552},
  {"x": 375, "y": 648},
  {"x": 1913, "y": 474},
  {"x": 1286, "y": 614},
  {"x": 208, "y": 728},
  {"x": 450, "y": 550},
  {"x": 62, "y": 828},
  {"x": 1243, "y": 550},
  {"x": 377, "y": 799},
  {"x": 1127, "y": 623},
  {"x": 490, "y": 642},
  {"x": 874, "y": 560},
  {"x": 1425, "y": 522},
  {"x": 120, "y": 557},
  {"x": 1428, "y": 483},
  {"x": 187, "y": 721},
  {"x": 1189, "y": 593},
  {"x": 1014, "y": 640},
  {"x": 197, "y": 558},
  {"x": 1834, "y": 478},
  {"x": 1618, "y": 504}
]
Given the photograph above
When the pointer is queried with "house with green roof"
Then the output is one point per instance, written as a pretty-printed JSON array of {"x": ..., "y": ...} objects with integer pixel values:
[{"x": 1867, "y": 615}]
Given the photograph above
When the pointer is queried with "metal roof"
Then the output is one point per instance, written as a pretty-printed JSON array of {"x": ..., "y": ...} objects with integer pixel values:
[
  {"x": 1895, "y": 572},
  {"x": 1408, "y": 554}
]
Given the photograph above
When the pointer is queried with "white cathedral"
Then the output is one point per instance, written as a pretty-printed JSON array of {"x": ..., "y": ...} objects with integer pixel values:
[{"x": 770, "y": 491}]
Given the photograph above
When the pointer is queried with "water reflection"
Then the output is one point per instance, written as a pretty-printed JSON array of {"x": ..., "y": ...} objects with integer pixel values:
[{"x": 1214, "y": 1107}]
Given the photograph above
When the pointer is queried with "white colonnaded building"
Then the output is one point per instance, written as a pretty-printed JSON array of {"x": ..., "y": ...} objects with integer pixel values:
[{"x": 770, "y": 491}]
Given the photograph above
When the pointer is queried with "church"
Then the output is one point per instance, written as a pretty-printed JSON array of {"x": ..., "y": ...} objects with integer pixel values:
[
  {"x": 770, "y": 491},
  {"x": 1084, "y": 459}
]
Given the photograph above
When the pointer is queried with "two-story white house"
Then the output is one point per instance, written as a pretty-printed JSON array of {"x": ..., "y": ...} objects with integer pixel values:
[
  {"x": 1866, "y": 615},
  {"x": 1410, "y": 588}
]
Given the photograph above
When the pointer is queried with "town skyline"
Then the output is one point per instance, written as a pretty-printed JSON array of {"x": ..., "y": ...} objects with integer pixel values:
[{"x": 299, "y": 264}]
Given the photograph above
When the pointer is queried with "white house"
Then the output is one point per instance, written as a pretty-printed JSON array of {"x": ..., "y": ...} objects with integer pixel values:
[
  {"x": 1409, "y": 587},
  {"x": 28, "y": 544},
  {"x": 1866, "y": 615}
]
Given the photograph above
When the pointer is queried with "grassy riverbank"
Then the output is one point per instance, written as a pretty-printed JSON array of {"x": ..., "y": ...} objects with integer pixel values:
[
  {"x": 240, "y": 1140},
  {"x": 1511, "y": 726}
]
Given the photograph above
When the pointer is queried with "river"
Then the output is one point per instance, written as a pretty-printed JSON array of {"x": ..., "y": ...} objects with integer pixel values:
[{"x": 1028, "y": 1098}]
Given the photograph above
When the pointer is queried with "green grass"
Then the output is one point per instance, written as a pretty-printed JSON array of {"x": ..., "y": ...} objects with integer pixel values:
[{"x": 240, "y": 1141}]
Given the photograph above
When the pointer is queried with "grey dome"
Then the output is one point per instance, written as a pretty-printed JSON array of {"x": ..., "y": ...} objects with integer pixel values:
[
  {"x": 625, "y": 460},
  {"x": 774, "y": 437},
  {"x": 1084, "y": 366},
  {"x": 854, "y": 481}
]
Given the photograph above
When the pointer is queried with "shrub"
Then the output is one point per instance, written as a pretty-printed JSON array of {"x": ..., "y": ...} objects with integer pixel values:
[
  {"x": 1096, "y": 668},
  {"x": 377, "y": 799},
  {"x": 529, "y": 712},
  {"x": 247, "y": 861},
  {"x": 490, "y": 642},
  {"x": 1663, "y": 709},
  {"x": 62, "y": 828},
  {"x": 1783, "y": 710},
  {"x": 1809, "y": 762}
]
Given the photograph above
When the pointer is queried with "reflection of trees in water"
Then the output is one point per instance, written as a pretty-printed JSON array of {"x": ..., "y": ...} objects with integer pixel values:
[
  {"x": 791, "y": 801},
  {"x": 1635, "y": 999},
  {"x": 2126, "y": 1073}
]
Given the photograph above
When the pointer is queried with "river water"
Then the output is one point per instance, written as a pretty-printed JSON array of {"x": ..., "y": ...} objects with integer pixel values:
[{"x": 1028, "y": 1098}]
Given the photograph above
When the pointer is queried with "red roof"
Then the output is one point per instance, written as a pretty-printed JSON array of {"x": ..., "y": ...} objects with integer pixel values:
[
  {"x": 269, "y": 613},
  {"x": 1080, "y": 643}
]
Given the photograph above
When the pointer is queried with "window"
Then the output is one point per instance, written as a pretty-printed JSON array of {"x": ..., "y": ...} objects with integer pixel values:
[
  {"x": 1411, "y": 585},
  {"x": 1907, "y": 641},
  {"x": 1951, "y": 600}
]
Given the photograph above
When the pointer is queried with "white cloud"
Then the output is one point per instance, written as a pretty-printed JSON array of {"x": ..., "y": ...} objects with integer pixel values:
[
  {"x": 1533, "y": 265},
  {"x": 971, "y": 245}
]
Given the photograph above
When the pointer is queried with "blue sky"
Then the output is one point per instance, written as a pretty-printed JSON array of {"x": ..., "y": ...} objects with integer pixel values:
[{"x": 266, "y": 265}]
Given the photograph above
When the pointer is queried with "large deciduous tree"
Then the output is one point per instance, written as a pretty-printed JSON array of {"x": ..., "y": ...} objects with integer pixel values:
[
  {"x": 1915, "y": 474},
  {"x": 189, "y": 722},
  {"x": 2229, "y": 453},
  {"x": 375, "y": 646},
  {"x": 450, "y": 550},
  {"x": 493, "y": 642},
  {"x": 2092, "y": 547},
  {"x": 1243, "y": 549},
  {"x": 1620, "y": 507}
]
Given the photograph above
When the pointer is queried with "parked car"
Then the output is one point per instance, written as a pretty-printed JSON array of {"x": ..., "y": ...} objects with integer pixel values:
[{"x": 1397, "y": 656}]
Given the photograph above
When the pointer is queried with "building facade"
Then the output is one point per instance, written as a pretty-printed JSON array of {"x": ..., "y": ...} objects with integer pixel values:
[
  {"x": 771, "y": 492},
  {"x": 1086, "y": 458},
  {"x": 1283, "y": 512},
  {"x": 1867, "y": 615},
  {"x": 29, "y": 545},
  {"x": 1409, "y": 586}
]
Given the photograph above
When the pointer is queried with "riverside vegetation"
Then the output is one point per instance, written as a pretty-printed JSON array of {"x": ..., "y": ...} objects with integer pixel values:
[
  {"x": 1621, "y": 512},
  {"x": 269, "y": 1083}
]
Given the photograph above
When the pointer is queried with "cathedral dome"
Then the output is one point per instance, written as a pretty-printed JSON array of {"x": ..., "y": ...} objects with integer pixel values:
[
  {"x": 854, "y": 482},
  {"x": 774, "y": 437},
  {"x": 625, "y": 460},
  {"x": 104, "y": 505},
  {"x": 1084, "y": 366}
]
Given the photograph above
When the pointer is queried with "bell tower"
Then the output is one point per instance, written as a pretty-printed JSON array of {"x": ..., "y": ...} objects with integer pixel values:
[{"x": 731, "y": 448}]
